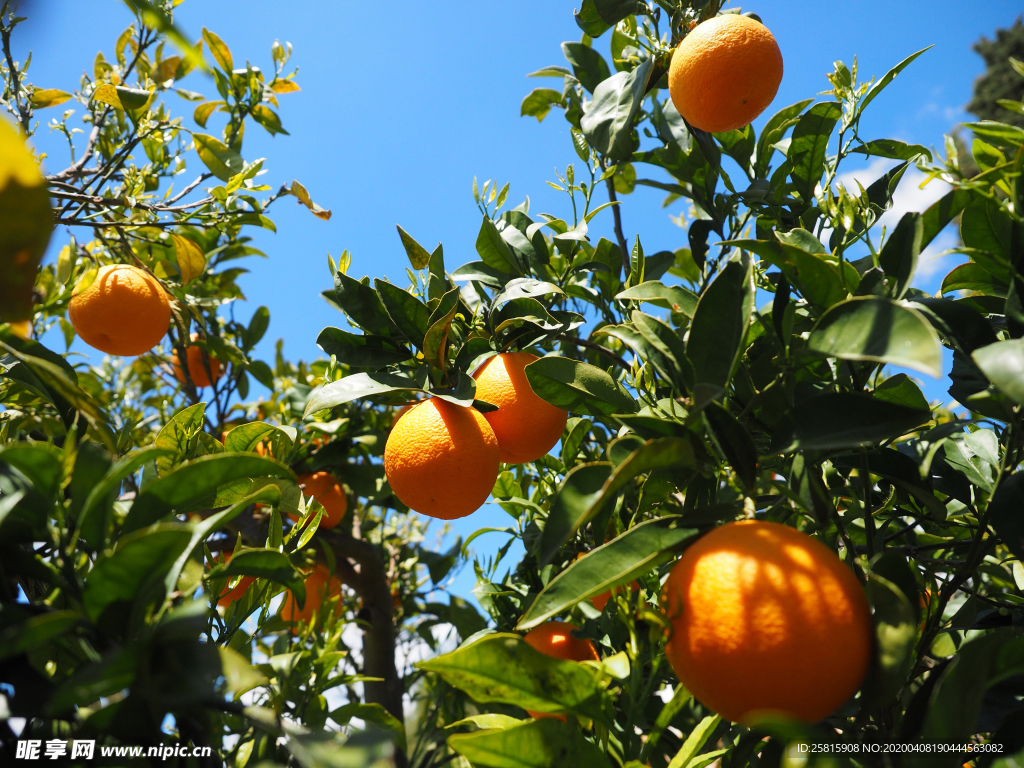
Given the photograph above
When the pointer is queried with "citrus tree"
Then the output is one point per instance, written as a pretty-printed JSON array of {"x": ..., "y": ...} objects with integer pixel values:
[{"x": 756, "y": 531}]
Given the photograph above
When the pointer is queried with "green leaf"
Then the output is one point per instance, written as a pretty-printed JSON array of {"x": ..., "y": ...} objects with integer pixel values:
[
  {"x": 435, "y": 340},
  {"x": 418, "y": 255},
  {"x": 120, "y": 97},
  {"x": 261, "y": 564},
  {"x": 608, "y": 123},
  {"x": 773, "y": 132},
  {"x": 371, "y": 713},
  {"x": 410, "y": 315},
  {"x": 504, "y": 668},
  {"x": 901, "y": 389},
  {"x": 673, "y": 297},
  {"x": 202, "y": 113},
  {"x": 1003, "y": 364},
  {"x": 636, "y": 552},
  {"x": 596, "y": 17},
  {"x": 179, "y": 435},
  {"x": 588, "y": 487},
  {"x": 355, "y": 386},
  {"x": 734, "y": 442},
  {"x": 219, "y": 50},
  {"x": 578, "y": 387},
  {"x": 695, "y": 741},
  {"x": 269, "y": 119},
  {"x": 962, "y": 325},
  {"x": 361, "y": 351},
  {"x": 95, "y": 517},
  {"x": 140, "y": 559},
  {"x": 720, "y": 323},
  {"x": 896, "y": 626},
  {"x": 493, "y": 249},
  {"x": 524, "y": 288},
  {"x": 245, "y": 437},
  {"x": 154, "y": 18},
  {"x": 879, "y": 330},
  {"x": 196, "y": 481},
  {"x": 489, "y": 721},
  {"x": 809, "y": 144},
  {"x": 894, "y": 150},
  {"x": 538, "y": 103},
  {"x": 222, "y": 161},
  {"x": 973, "y": 277},
  {"x": 818, "y": 279},
  {"x": 848, "y": 420},
  {"x": 437, "y": 281},
  {"x": 239, "y": 675},
  {"x": 37, "y": 632},
  {"x": 542, "y": 743},
  {"x": 588, "y": 65},
  {"x": 1004, "y": 511},
  {"x": 362, "y": 305}
]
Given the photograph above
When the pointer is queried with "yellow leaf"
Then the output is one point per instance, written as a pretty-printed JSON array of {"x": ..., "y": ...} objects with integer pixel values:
[
  {"x": 48, "y": 97},
  {"x": 300, "y": 192},
  {"x": 285, "y": 86},
  {"x": 107, "y": 94},
  {"x": 203, "y": 111},
  {"x": 87, "y": 279},
  {"x": 191, "y": 261},
  {"x": 167, "y": 69},
  {"x": 219, "y": 50}
]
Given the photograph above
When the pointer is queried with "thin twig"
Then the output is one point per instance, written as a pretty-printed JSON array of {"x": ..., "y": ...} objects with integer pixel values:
[
  {"x": 597, "y": 348},
  {"x": 617, "y": 219}
]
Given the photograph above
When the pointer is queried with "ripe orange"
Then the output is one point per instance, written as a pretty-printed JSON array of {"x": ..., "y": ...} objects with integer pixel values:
[
  {"x": 554, "y": 638},
  {"x": 725, "y": 73},
  {"x": 526, "y": 426},
  {"x": 197, "y": 359},
  {"x": 765, "y": 618},
  {"x": 239, "y": 589},
  {"x": 441, "y": 460},
  {"x": 123, "y": 312},
  {"x": 320, "y": 585},
  {"x": 323, "y": 487}
]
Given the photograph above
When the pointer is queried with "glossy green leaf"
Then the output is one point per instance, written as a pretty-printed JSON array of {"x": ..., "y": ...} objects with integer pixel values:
[
  {"x": 773, "y": 132},
  {"x": 807, "y": 149},
  {"x": 1003, "y": 364},
  {"x": 179, "y": 436},
  {"x": 818, "y": 279},
  {"x": 902, "y": 390},
  {"x": 596, "y": 17},
  {"x": 356, "y": 386},
  {"x": 361, "y": 350},
  {"x": 410, "y": 315},
  {"x": 960, "y": 324},
  {"x": 895, "y": 627},
  {"x": 734, "y": 442},
  {"x": 196, "y": 481},
  {"x": 879, "y": 330},
  {"x": 538, "y": 103},
  {"x": 141, "y": 558},
  {"x": 493, "y": 249},
  {"x": 673, "y": 297},
  {"x": 578, "y": 387},
  {"x": 889, "y": 76},
  {"x": 973, "y": 277},
  {"x": 608, "y": 123},
  {"x": 894, "y": 150},
  {"x": 503, "y": 668},
  {"x": 588, "y": 65},
  {"x": 362, "y": 304},
  {"x": 695, "y": 742},
  {"x": 720, "y": 324},
  {"x": 435, "y": 340},
  {"x": 629, "y": 556},
  {"x": 543, "y": 743},
  {"x": 269, "y": 119},
  {"x": 572, "y": 505},
  {"x": 848, "y": 420},
  {"x": 37, "y": 632},
  {"x": 222, "y": 161}
]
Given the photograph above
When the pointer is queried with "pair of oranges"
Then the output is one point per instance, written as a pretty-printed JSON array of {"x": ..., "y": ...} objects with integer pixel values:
[
  {"x": 125, "y": 311},
  {"x": 441, "y": 459},
  {"x": 763, "y": 619}
]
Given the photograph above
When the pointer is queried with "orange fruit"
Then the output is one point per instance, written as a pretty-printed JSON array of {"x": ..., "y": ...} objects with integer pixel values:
[
  {"x": 323, "y": 487},
  {"x": 725, "y": 73},
  {"x": 441, "y": 460},
  {"x": 236, "y": 591},
  {"x": 320, "y": 585},
  {"x": 124, "y": 311},
  {"x": 526, "y": 426},
  {"x": 197, "y": 360},
  {"x": 765, "y": 618},
  {"x": 554, "y": 638}
]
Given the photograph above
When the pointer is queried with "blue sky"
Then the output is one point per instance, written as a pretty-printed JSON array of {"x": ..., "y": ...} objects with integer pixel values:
[{"x": 400, "y": 109}]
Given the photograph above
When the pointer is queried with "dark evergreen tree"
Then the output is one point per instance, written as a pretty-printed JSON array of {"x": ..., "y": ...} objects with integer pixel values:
[{"x": 1000, "y": 80}]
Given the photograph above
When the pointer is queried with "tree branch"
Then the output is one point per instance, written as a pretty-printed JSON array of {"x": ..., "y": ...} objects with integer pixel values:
[
  {"x": 597, "y": 348},
  {"x": 617, "y": 215}
]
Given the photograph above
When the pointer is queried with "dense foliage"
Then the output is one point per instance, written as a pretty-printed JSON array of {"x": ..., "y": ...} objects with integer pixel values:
[{"x": 747, "y": 375}]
